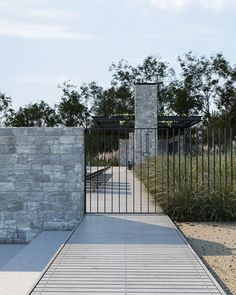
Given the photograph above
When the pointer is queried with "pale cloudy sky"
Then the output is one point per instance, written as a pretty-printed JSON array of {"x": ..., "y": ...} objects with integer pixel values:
[{"x": 44, "y": 42}]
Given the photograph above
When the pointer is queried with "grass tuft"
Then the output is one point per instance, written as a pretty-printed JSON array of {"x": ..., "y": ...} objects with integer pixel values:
[{"x": 191, "y": 189}]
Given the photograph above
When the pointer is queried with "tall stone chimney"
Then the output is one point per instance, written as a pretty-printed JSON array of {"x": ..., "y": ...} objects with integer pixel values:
[
  {"x": 146, "y": 105},
  {"x": 146, "y": 112}
]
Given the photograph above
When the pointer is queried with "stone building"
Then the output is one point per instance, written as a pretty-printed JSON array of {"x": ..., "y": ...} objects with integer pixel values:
[{"x": 146, "y": 133}]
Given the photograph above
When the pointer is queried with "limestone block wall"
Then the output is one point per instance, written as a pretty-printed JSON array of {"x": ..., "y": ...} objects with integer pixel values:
[
  {"x": 126, "y": 150},
  {"x": 146, "y": 115},
  {"x": 146, "y": 105},
  {"x": 123, "y": 152},
  {"x": 41, "y": 181}
]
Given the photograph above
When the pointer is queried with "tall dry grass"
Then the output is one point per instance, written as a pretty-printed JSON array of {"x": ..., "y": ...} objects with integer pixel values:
[
  {"x": 104, "y": 159},
  {"x": 192, "y": 188}
]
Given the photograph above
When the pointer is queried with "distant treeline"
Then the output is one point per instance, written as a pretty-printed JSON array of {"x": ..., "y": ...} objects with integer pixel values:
[{"x": 200, "y": 85}]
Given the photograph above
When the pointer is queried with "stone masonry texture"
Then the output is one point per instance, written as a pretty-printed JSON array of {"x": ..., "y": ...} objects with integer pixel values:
[
  {"x": 146, "y": 112},
  {"x": 41, "y": 181},
  {"x": 123, "y": 152},
  {"x": 126, "y": 150},
  {"x": 146, "y": 105}
]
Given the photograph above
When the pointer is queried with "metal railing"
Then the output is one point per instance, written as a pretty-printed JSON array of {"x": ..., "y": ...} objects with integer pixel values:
[{"x": 148, "y": 166}]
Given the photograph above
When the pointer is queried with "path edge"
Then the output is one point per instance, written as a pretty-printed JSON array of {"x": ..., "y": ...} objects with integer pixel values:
[
  {"x": 210, "y": 275},
  {"x": 53, "y": 258}
]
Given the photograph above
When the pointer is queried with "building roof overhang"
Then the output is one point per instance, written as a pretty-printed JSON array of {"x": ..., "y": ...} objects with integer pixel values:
[{"x": 128, "y": 122}]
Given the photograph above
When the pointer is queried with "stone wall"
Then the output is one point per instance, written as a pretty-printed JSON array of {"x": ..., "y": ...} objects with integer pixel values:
[
  {"x": 126, "y": 150},
  {"x": 146, "y": 105},
  {"x": 41, "y": 181},
  {"x": 123, "y": 152},
  {"x": 146, "y": 111}
]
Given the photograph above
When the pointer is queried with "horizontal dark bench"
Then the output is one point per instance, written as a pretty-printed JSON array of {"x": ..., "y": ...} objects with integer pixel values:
[{"x": 97, "y": 173}]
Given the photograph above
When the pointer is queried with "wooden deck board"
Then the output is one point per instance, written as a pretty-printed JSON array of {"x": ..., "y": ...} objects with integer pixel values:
[{"x": 126, "y": 254}]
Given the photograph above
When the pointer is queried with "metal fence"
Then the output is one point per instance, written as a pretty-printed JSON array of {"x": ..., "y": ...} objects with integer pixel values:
[{"x": 139, "y": 170}]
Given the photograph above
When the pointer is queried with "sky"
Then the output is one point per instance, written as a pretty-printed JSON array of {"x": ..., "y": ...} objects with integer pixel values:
[{"x": 46, "y": 42}]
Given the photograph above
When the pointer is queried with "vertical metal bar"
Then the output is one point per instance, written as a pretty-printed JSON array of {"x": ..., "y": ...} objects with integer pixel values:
[
  {"x": 197, "y": 151},
  {"x": 126, "y": 176},
  {"x": 202, "y": 160},
  {"x": 141, "y": 197},
  {"x": 220, "y": 170},
  {"x": 173, "y": 160},
  {"x": 208, "y": 161},
  {"x": 133, "y": 167},
  {"x": 90, "y": 169},
  {"x": 179, "y": 161},
  {"x": 185, "y": 160},
  {"x": 85, "y": 170},
  {"x": 97, "y": 155},
  {"x": 167, "y": 167},
  {"x": 162, "y": 163},
  {"x": 104, "y": 175},
  {"x": 214, "y": 158},
  {"x": 231, "y": 159},
  {"x": 119, "y": 166},
  {"x": 155, "y": 171},
  {"x": 226, "y": 158},
  {"x": 112, "y": 170},
  {"x": 148, "y": 152},
  {"x": 191, "y": 159}
]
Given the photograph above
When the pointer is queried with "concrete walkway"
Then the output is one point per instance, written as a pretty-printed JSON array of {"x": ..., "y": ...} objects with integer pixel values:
[
  {"x": 126, "y": 254},
  {"x": 20, "y": 273},
  {"x": 118, "y": 190}
]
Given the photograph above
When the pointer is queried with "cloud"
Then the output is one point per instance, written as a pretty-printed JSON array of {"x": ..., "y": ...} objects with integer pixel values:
[
  {"x": 183, "y": 33},
  {"x": 183, "y": 4},
  {"x": 43, "y": 80},
  {"x": 55, "y": 14},
  {"x": 31, "y": 9},
  {"x": 40, "y": 32},
  {"x": 37, "y": 20}
]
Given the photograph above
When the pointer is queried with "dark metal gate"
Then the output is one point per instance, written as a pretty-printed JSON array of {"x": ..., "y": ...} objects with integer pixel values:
[
  {"x": 113, "y": 158},
  {"x": 143, "y": 170}
]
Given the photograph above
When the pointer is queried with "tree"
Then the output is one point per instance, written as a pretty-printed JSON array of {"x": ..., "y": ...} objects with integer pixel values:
[
  {"x": 200, "y": 82},
  {"x": 71, "y": 110},
  {"x": 152, "y": 69},
  {"x": 113, "y": 101},
  {"x": 180, "y": 100},
  {"x": 203, "y": 82},
  {"x": 226, "y": 102},
  {"x": 202, "y": 85},
  {"x": 5, "y": 108},
  {"x": 33, "y": 115}
]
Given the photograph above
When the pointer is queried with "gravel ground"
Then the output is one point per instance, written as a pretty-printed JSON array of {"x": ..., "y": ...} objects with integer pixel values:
[{"x": 215, "y": 243}]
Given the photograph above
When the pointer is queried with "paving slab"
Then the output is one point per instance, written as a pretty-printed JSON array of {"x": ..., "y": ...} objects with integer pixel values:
[
  {"x": 126, "y": 254},
  {"x": 118, "y": 190},
  {"x": 8, "y": 251},
  {"x": 18, "y": 275}
]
